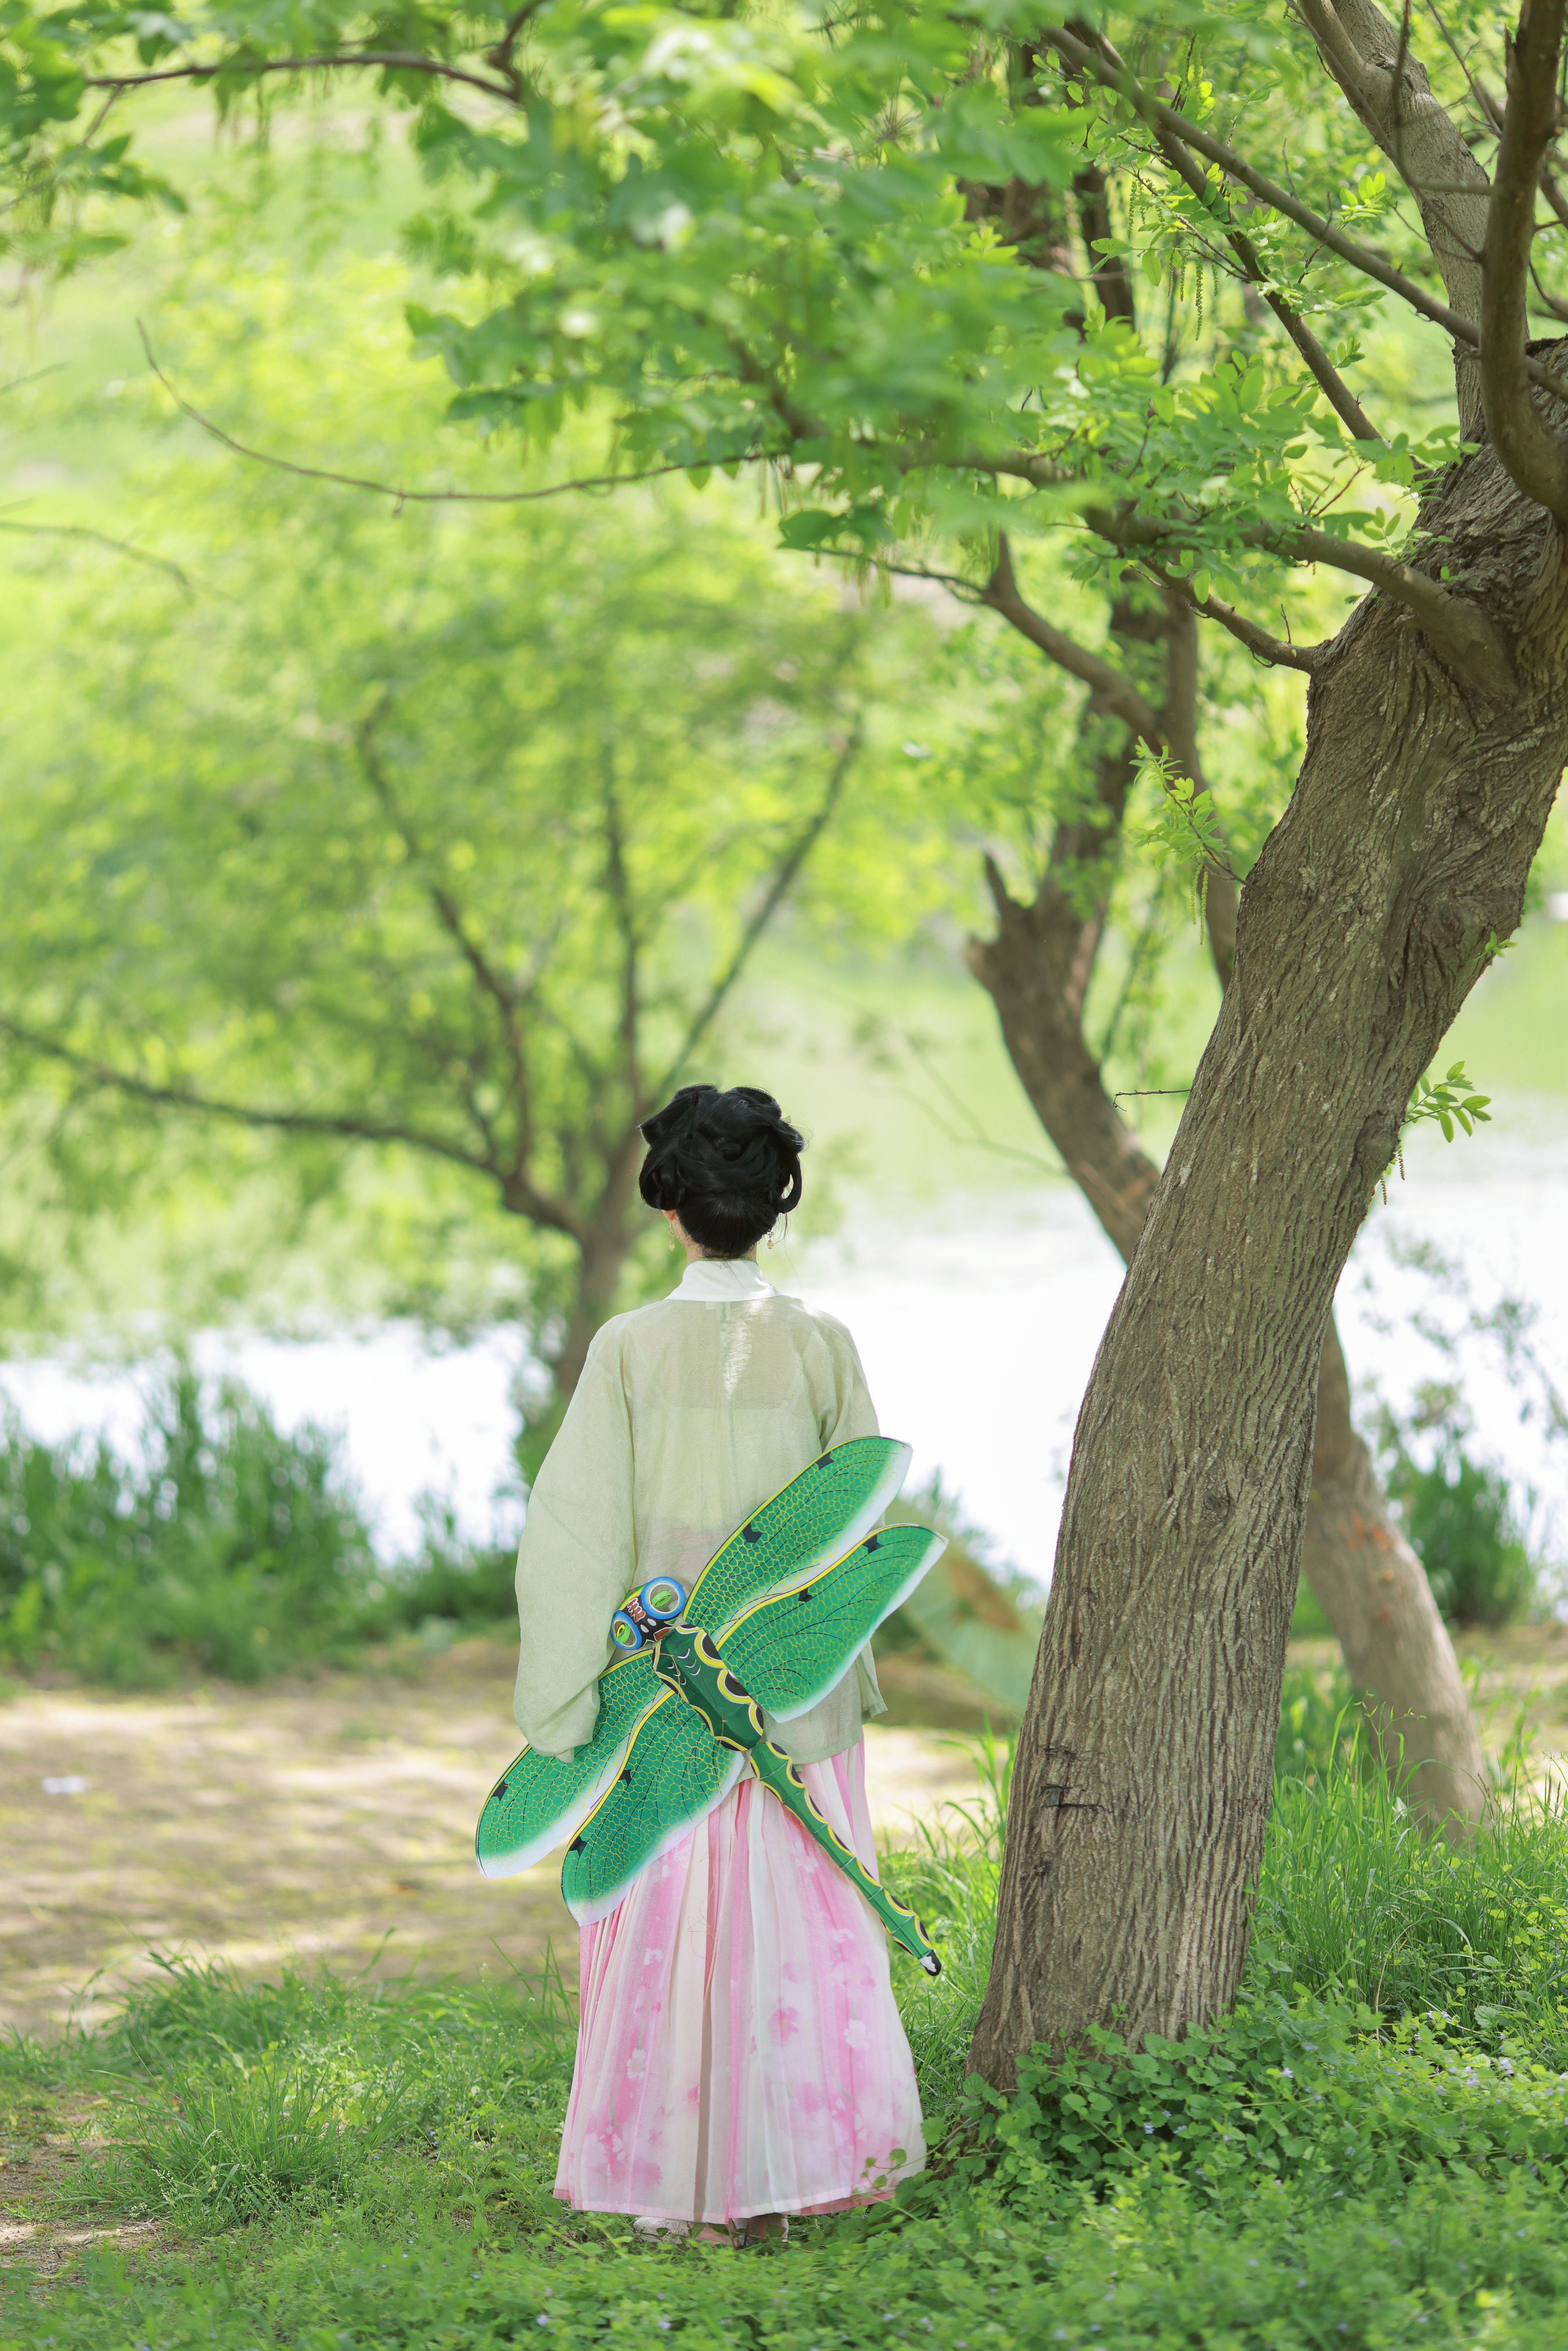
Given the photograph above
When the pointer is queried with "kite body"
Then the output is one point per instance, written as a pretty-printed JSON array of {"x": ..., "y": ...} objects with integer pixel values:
[{"x": 773, "y": 1622}]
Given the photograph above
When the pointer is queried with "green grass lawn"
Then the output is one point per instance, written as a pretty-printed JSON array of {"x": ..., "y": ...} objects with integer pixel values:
[{"x": 1371, "y": 2151}]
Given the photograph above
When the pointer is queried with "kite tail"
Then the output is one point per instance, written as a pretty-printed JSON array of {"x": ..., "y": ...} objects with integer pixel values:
[{"x": 776, "y": 1771}]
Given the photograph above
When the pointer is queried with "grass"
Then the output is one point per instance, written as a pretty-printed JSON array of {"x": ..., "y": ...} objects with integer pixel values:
[{"x": 1372, "y": 2151}]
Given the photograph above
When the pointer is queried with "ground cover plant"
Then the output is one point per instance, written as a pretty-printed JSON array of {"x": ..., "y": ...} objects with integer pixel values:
[{"x": 1370, "y": 2151}]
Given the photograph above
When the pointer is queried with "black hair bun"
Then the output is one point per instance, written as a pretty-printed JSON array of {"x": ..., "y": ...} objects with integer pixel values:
[{"x": 729, "y": 1164}]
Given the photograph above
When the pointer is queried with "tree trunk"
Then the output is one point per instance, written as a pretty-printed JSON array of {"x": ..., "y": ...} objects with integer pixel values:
[
  {"x": 1144, "y": 1764},
  {"x": 602, "y": 1259},
  {"x": 1374, "y": 1591},
  {"x": 606, "y": 1243},
  {"x": 1368, "y": 1581}
]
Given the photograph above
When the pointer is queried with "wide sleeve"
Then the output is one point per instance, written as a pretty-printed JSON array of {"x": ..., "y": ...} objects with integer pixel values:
[
  {"x": 846, "y": 1409},
  {"x": 577, "y": 1560}
]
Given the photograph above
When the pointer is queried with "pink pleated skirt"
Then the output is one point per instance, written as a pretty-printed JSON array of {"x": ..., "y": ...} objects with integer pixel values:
[{"x": 739, "y": 2048}]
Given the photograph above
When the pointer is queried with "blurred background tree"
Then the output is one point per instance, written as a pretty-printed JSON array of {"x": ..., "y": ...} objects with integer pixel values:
[
  {"x": 262, "y": 652},
  {"x": 443, "y": 838}
]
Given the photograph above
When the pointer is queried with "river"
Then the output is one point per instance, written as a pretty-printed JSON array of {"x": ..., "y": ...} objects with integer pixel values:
[{"x": 977, "y": 1317}]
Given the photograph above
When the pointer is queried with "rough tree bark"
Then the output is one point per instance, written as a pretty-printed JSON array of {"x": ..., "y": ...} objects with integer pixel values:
[
  {"x": 1037, "y": 969},
  {"x": 1368, "y": 1581},
  {"x": 1143, "y": 1773}
]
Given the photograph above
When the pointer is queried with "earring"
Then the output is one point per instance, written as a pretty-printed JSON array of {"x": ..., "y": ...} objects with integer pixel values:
[{"x": 671, "y": 1241}]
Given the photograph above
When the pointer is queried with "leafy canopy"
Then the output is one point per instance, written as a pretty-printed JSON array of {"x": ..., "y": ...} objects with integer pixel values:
[
  {"x": 831, "y": 240},
  {"x": 441, "y": 833}
]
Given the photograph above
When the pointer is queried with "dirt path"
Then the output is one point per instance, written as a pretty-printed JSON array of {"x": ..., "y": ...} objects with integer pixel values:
[
  {"x": 330, "y": 1820},
  {"x": 333, "y": 1820}
]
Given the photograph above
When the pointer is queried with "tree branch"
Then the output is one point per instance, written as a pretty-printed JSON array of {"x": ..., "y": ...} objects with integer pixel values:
[
  {"x": 394, "y": 60},
  {"x": 1112, "y": 689},
  {"x": 1527, "y": 446},
  {"x": 782, "y": 881},
  {"x": 1459, "y": 631},
  {"x": 1277, "y": 649},
  {"x": 1330, "y": 382},
  {"x": 1269, "y": 192},
  {"x": 490, "y": 982},
  {"x": 619, "y": 886},
  {"x": 348, "y": 1125},
  {"x": 1389, "y": 90},
  {"x": 100, "y": 539},
  {"x": 501, "y": 56},
  {"x": 390, "y": 489},
  {"x": 1180, "y": 715}
]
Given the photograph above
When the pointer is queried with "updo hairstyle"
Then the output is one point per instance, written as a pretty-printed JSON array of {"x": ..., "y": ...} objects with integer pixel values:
[{"x": 729, "y": 1164}]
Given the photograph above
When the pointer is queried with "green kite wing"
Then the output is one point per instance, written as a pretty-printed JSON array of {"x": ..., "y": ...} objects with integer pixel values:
[
  {"x": 791, "y": 1649},
  {"x": 539, "y": 1802},
  {"x": 675, "y": 1772},
  {"x": 817, "y": 1516}
]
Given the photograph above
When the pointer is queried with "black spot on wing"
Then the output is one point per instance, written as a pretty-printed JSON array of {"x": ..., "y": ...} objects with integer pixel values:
[
  {"x": 804, "y": 1595},
  {"x": 871, "y": 1542},
  {"x": 823, "y": 1461},
  {"x": 578, "y": 1844},
  {"x": 751, "y": 1534},
  {"x": 498, "y": 1791}
]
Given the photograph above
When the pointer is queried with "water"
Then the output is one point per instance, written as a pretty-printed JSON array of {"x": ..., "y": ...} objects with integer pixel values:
[{"x": 977, "y": 1323}]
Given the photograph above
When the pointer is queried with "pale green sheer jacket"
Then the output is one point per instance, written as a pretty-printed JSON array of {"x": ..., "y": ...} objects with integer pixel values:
[{"x": 688, "y": 1415}]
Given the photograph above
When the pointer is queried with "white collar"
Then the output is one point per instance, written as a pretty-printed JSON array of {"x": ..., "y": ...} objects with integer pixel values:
[{"x": 707, "y": 1278}]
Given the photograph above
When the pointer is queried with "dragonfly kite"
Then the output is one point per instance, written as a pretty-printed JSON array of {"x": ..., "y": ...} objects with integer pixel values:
[{"x": 773, "y": 1621}]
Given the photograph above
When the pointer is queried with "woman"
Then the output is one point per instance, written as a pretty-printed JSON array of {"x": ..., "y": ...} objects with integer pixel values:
[{"x": 740, "y": 2056}]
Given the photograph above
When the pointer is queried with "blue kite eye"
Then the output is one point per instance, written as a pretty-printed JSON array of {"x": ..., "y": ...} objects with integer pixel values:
[
  {"x": 663, "y": 1597},
  {"x": 623, "y": 1632}
]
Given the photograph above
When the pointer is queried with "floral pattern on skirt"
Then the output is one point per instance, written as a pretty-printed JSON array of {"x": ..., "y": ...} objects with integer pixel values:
[{"x": 739, "y": 2048}]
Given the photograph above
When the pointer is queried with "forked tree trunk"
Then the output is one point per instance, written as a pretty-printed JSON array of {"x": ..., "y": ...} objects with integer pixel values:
[
  {"x": 1144, "y": 1768},
  {"x": 1368, "y": 1581}
]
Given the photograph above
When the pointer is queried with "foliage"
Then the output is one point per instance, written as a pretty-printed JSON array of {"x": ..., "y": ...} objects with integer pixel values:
[
  {"x": 221, "y": 1543},
  {"x": 224, "y": 1544},
  {"x": 1307, "y": 2090},
  {"x": 1459, "y": 1511},
  {"x": 1187, "y": 834},
  {"x": 845, "y": 247},
  {"x": 1459, "y": 1514},
  {"x": 453, "y": 1581},
  {"x": 1320, "y": 2168},
  {"x": 1447, "y": 1101},
  {"x": 414, "y": 856}
]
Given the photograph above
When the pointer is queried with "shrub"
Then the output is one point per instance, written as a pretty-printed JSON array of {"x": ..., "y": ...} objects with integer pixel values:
[
  {"x": 453, "y": 1582},
  {"x": 1458, "y": 1511},
  {"x": 1459, "y": 1517},
  {"x": 224, "y": 1544}
]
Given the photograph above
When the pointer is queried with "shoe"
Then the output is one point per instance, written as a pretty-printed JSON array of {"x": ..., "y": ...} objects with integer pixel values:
[
  {"x": 762, "y": 2229},
  {"x": 651, "y": 2230}
]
